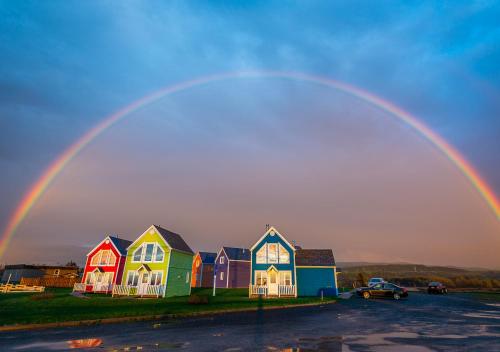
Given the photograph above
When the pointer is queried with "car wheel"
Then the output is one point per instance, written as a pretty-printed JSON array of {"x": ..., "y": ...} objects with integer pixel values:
[
  {"x": 366, "y": 295},
  {"x": 396, "y": 296}
]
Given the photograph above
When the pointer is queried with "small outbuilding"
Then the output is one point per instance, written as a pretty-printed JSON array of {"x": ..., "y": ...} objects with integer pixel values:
[
  {"x": 316, "y": 272},
  {"x": 202, "y": 274}
]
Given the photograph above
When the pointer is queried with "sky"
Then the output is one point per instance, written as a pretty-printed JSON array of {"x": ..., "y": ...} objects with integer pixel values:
[{"x": 218, "y": 162}]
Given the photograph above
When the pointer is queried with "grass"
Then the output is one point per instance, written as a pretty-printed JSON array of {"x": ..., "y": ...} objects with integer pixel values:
[{"x": 57, "y": 305}]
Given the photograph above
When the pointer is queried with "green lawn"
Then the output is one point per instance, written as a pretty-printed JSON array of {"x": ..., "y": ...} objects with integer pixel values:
[{"x": 57, "y": 305}]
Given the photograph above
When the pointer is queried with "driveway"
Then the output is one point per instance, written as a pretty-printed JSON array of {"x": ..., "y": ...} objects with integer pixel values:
[{"x": 455, "y": 322}]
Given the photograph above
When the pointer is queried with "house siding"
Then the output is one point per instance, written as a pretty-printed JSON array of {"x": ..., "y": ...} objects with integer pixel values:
[
  {"x": 207, "y": 276},
  {"x": 179, "y": 274},
  {"x": 312, "y": 281},
  {"x": 239, "y": 274}
]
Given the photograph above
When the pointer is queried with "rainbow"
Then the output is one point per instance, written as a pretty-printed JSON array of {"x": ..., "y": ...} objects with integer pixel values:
[{"x": 41, "y": 185}]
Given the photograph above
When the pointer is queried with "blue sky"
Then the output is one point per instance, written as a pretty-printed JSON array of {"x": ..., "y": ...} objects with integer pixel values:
[{"x": 64, "y": 65}]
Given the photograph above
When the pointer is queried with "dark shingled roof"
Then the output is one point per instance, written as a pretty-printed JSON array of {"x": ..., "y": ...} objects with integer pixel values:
[
  {"x": 208, "y": 257},
  {"x": 314, "y": 257},
  {"x": 174, "y": 240},
  {"x": 237, "y": 253},
  {"x": 120, "y": 244}
]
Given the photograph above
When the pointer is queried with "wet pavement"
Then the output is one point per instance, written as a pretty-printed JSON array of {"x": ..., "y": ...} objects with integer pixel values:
[{"x": 421, "y": 323}]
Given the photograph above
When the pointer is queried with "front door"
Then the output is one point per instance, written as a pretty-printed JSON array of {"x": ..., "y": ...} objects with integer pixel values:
[
  {"x": 272, "y": 283},
  {"x": 143, "y": 283}
]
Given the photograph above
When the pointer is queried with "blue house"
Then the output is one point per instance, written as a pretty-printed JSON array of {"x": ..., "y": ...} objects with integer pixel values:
[
  {"x": 273, "y": 266},
  {"x": 280, "y": 269}
]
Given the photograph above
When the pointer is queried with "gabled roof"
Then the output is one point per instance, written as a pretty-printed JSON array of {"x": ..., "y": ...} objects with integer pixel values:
[
  {"x": 237, "y": 253},
  {"x": 207, "y": 257},
  {"x": 314, "y": 257},
  {"x": 120, "y": 244},
  {"x": 272, "y": 229},
  {"x": 174, "y": 240}
]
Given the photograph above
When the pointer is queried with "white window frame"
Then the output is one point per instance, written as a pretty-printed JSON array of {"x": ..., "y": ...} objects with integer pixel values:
[
  {"x": 221, "y": 276},
  {"x": 266, "y": 260},
  {"x": 135, "y": 273},
  {"x": 142, "y": 248},
  {"x": 283, "y": 275},
  {"x": 262, "y": 274},
  {"x": 221, "y": 260}
]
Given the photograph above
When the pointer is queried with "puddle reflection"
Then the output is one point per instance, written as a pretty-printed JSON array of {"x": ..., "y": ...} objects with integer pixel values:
[{"x": 84, "y": 343}]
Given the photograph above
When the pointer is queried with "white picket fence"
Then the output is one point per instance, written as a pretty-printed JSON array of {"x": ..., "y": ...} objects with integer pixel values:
[
  {"x": 286, "y": 290},
  {"x": 283, "y": 291},
  {"x": 142, "y": 290},
  {"x": 79, "y": 287}
]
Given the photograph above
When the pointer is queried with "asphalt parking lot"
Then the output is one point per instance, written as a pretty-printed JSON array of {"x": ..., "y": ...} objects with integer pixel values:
[{"x": 454, "y": 322}]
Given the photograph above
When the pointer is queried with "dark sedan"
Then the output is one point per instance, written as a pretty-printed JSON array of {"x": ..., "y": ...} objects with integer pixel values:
[
  {"x": 382, "y": 290},
  {"x": 436, "y": 287}
]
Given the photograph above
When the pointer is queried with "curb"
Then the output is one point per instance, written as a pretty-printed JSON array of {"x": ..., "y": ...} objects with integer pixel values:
[{"x": 20, "y": 327}]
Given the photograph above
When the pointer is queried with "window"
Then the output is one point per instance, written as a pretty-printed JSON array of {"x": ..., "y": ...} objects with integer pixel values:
[
  {"x": 95, "y": 259},
  {"x": 221, "y": 260},
  {"x": 90, "y": 279},
  {"x": 104, "y": 257},
  {"x": 187, "y": 277},
  {"x": 221, "y": 275},
  {"x": 138, "y": 254},
  {"x": 159, "y": 254},
  {"x": 148, "y": 253},
  {"x": 145, "y": 278},
  {"x": 261, "y": 257},
  {"x": 284, "y": 255},
  {"x": 156, "y": 277},
  {"x": 285, "y": 278},
  {"x": 132, "y": 278},
  {"x": 272, "y": 253},
  {"x": 148, "y": 256},
  {"x": 260, "y": 278}
]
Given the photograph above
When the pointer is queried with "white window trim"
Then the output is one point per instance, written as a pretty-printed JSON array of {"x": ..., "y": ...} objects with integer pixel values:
[
  {"x": 266, "y": 261},
  {"x": 142, "y": 248},
  {"x": 221, "y": 260},
  {"x": 221, "y": 276}
]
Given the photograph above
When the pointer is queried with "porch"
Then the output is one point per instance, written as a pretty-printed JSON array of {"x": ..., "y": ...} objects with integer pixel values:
[
  {"x": 143, "y": 290},
  {"x": 93, "y": 288},
  {"x": 270, "y": 291}
]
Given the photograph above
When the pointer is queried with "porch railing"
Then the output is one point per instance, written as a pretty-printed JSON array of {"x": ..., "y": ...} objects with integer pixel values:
[
  {"x": 256, "y": 290},
  {"x": 147, "y": 290},
  {"x": 102, "y": 287},
  {"x": 286, "y": 290},
  {"x": 79, "y": 287}
]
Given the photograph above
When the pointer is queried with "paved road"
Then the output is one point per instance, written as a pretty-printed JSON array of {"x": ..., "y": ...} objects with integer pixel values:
[{"x": 456, "y": 322}]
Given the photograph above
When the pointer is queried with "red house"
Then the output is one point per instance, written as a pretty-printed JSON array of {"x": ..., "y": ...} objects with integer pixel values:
[{"x": 104, "y": 266}]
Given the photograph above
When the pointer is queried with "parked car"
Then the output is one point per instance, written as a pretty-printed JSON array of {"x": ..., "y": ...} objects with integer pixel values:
[
  {"x": 382, "y": 289},
  {"x": 436, "y": 287},
  {"x": 375, "y": 280}
]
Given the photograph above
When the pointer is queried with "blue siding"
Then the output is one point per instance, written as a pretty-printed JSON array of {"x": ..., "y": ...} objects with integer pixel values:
[
  {"x": 311, "y": 281},
  {"x": 273, "y": 239}
]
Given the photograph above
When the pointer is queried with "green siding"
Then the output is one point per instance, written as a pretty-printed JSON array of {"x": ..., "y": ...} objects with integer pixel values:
[
  {"x": 311, "y": 281},
  {"x": 180, "y": 266}
]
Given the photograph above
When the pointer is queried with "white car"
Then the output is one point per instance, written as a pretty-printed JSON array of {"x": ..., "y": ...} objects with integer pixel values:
[{"x": 374, "y": 281}]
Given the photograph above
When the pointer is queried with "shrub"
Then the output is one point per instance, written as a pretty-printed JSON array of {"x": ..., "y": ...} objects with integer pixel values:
[
  {"x": 198, "y": 299},
  {"x": 42, "y": 296}
]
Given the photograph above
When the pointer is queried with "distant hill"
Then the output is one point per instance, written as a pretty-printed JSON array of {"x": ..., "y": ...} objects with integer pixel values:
[{"x": 353, "y": 273}]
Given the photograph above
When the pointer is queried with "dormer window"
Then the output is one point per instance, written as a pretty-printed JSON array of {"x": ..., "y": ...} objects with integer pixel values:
[
  {"x": 221, "y": 260},
  {"x": 148, "y": 253}
]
